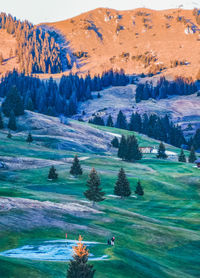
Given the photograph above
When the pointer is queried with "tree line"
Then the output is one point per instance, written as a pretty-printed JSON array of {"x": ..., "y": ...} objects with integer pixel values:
[
  {"x": 165, "y": 88},
  {"x": 47, "y": 97},
  {"x": 159, "y": 128}
]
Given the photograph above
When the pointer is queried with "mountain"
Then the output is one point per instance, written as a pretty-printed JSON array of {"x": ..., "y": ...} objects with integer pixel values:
[{"x": 139, "y": 41}]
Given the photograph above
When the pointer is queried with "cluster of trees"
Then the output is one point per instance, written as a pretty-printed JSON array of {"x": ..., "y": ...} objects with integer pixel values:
[
  {"x": 129, "y": 149},
  {"x": 49, "y": 98},
  {"x": 160, "y": 128},
  {"x": 37, "y": 49},
  {"x": 165, "y": 88}
]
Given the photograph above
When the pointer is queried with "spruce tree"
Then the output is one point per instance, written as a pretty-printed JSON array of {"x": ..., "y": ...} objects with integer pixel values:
[
  {"x": 94, "y": 192},
  {"x": 133, "y": 152},
  {"x": 29, "y": 138},
  {"x": 161, "y": 151},
  {"x": 1, "y": 121},
  {"x": 109, "y": 121},
  {"x": 52, "y": 173},
  {"x": 79, "y": 267},
  {"x": 122, "y": 151},
  {"x": 1, "y": 59},
  {"x": 122, "y": 187},
  {"x": 115, "y": 142},
  {"x": 9, "y": 135},
  {"x": 76, "y": 169},
  {"x": 181, "y": 157},
  {"x": 192, "y": 156},
  {"x": 12, "y": 121},
  {"x": 139, "y": 190},
  {"x": 121, "y": 121},
  {"x": 13, "y": 102}
]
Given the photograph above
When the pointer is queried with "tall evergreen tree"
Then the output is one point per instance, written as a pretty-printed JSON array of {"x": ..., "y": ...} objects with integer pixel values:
[
  {"x": 12, "y": 121},
  {"x": 161, "y": 151},
  {"x": 94, "y": 192},
  {"x": 1, "y": 58},
  {"x": 1, "y": 121},
  {"x": 109, "y": 121},
  {"x": 192, "y": 156},
  {"x": 122, "y": 151},
  {"x": 181, "y": 157},
  {"x": 196, "y": 139},
  {"x": 139, "y": 190},
  {"x": 9, "y": 135},
  {"x": 133, "y": 152},
  {"x": 13, "y": 102},
  {"x": 76, "y": 169},
  {"x": 29, "y": 138},
  {"x": 115, "y": 142},
  {"x": 121, "y": 121},
  {"x": 52, "y": 173},
  {"x": 122, "y": 187},
  {"x": 79, "y": 267}
]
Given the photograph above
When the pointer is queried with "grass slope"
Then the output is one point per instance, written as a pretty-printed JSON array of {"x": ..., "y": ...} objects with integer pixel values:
[{"x": 156, "y": 235}]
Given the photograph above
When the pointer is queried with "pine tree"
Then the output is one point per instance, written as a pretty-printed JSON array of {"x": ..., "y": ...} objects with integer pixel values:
[
  {"x": 161, "y": 151},
  {"x": 79, "y": 267},
  {"x": 196, "y": 139},
  {"x": 121, "y": 121},
  {"x": 192, "y": 156},
  {"x": 94, "y": 192},
  {"x": 109, "y": 121},
  {"x": 30, "y": 106},
  {"x": 52, "y": 173},
  {"x": 11, "y": 53},
  {"x": 122, "y": 151},
  {"x": 139, "y": 190},
  {"x": 29, "y": 138},
  {"x": 122, "y": 187},
  {"x": 1, "y": 121},
  {"x": 9, "y": 135},
  {"x": 76, "y": 169},
  {"x": 12, "y": 121},
  {"x": 115, "y": 142},
  {"x": 181, "y": 157},
  {"x": 133, "y": 152}
]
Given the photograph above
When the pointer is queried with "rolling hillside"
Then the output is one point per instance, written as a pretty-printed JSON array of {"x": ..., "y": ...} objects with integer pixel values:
[{"x": 156, "y": 235}]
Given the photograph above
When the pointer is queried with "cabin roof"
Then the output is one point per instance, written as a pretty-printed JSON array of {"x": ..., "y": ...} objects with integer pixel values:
[{"x": 198, "y": 160}]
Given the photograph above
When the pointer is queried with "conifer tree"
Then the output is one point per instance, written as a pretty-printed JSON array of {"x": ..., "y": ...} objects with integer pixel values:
[
  {"x": 122, "y": 187},
  {"x": 133, "y": 152},
  {"x": 30, "y": 106},
  {"x": 121, "y": 121},
  {"x": 79, "y": 267},
  {"x": 29, "y": 138},
  {"x": 1, "y": 121},
  {"x": 122, "y": 151},
  {"x": 192, "y": 156},
  {"x": 9, "y": 135},
  {"x": 196, "y": 139},
  {"x": 13, "y": 102},
  {"x": 109, "y": 121},
  {"x": 76, "y": 169},
  {"x": 115, "y": 142},
  {"x": 52, "y": 173},
  {"x": 139, "y": 190},
  {"x": 161, "y": 151},
  {"x": 94, "y": 192},
  {"x": 12, "y": 121},
  {"x": 181, "y": 157}
]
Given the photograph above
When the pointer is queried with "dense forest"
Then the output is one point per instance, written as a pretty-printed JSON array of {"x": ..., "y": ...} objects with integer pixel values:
[
  {"x": 165, "y": 88},
  {"x": 52, "y": 99},
  {"x": 37, "y": 49}
]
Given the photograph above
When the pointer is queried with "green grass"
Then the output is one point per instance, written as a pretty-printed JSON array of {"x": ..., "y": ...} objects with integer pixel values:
[{"x": 156, "y": 235}]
